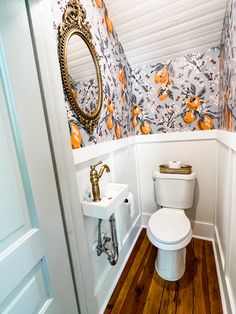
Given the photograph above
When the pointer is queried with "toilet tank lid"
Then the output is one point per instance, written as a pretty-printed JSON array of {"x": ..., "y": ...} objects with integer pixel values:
[{"x": 158, "y": 175}]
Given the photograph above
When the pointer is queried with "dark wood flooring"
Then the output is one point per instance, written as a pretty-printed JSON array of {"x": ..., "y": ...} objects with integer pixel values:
[{"x": 141, "y": 290}]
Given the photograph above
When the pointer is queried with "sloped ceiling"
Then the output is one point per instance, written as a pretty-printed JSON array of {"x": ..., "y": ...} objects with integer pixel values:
[{"x": 154, "y": 30}]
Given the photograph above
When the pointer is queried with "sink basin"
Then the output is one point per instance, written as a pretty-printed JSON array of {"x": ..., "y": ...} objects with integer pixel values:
[{"x": 112, "y": 195}]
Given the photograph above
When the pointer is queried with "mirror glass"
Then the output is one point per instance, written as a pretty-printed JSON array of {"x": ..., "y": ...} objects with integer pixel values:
[{"x": 82, "y": 75}]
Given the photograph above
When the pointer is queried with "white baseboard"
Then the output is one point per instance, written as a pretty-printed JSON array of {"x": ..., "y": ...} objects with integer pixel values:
[
  {"x": 133, "y": 237},
  {"x": 225, "y": 288},
  {"x": 219, "y": 247},
  {"x": 230, "y": 294},
  {"x": 200, "y": 229},
  {"x": 145, "y": 219}
]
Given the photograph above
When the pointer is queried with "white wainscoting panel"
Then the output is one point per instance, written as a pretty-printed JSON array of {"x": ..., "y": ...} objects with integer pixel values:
[
  {"x": 212, "y": 155},
  {"x": 230, "y": 262},
  {"x": 222, "y": 194},
  {"x": 225, "y": 217},
  {"x": 199, "y": 154},
  {"x": 120, "y": 157}
]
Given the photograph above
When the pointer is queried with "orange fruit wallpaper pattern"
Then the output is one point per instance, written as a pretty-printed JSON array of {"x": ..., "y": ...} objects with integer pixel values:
[
  {"x": 189, "y": 117},
  {"x": 108, "y": 22},
  {"x": 76, "y": 139},
  {"x": 227, "y": 103},
  {"x": 99, "y": 3},
  {"x": 175, "y": 95},
  {"x": 178, "y": 94}
]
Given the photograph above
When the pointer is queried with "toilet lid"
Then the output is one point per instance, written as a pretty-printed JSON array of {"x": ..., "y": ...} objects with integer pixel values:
[{"x": 169, "y": 225}]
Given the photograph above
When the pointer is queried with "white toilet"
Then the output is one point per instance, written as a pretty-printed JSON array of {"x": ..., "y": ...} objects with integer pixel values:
[{"x": 169, "y": 229}]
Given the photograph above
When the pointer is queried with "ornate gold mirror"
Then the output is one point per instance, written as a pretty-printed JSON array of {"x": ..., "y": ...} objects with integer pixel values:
[{"x": 79, "y": 63}]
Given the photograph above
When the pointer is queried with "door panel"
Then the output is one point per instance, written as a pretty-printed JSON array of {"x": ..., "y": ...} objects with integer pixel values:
[
  {"x": 30, "y": 295},
  {"x": 20, "y": 242},
  {"x": 13, "y": 205},
  {"x": 35, "y": 274}
]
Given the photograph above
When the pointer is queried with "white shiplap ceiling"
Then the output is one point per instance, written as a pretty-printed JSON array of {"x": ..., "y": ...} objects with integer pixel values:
[{"x": 155, "y": 30}]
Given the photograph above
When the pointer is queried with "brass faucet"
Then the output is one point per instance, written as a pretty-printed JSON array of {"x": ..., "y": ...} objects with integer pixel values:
[{"x": 94, "y": 179}]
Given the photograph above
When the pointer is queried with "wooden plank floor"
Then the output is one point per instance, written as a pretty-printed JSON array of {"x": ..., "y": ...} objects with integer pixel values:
[{"x": 141, "y": 290}]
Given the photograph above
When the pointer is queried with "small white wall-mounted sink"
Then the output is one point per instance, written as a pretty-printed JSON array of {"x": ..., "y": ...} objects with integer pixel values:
[{"x": 112, "y": 195}]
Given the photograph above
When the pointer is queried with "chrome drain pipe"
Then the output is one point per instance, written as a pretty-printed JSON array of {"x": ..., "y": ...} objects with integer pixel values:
[
  {"x": 115, "y": 253},
  {"x": 112, "y": 254},
  {"x": 99, "y": 246}
]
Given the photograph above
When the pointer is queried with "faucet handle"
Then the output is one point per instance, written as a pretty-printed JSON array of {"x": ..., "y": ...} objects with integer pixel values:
[{"x": 94, "y": 166}]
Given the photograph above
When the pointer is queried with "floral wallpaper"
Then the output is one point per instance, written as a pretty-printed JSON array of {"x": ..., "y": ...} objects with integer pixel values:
[
  {"x": 116, "y": 74},
  {"x": 180, "y": 94},
  {"x": 228, "y": 70}
]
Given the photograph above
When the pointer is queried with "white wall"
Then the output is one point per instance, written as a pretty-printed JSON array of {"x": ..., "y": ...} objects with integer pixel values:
[
  {"x": 199, "y": 151},
  {"x": 120, "y": 157},
  {"x": 212, "y": 155},
  {"x": 225, "y": 215},
  {"x": 132, "y": 161}
]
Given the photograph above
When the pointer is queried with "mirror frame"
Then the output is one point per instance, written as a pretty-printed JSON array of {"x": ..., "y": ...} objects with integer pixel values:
[{"x": 74, "y": 23}]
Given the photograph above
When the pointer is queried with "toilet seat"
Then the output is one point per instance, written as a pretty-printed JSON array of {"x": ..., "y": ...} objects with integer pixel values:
[
  {"x": 169, "y": 229},
  {"x": 169, "y": 226}
]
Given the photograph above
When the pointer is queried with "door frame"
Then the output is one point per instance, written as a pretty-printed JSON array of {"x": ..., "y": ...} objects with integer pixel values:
[
  {"x": 39, "y": 12},
  {"x": 42, "y": 241}
]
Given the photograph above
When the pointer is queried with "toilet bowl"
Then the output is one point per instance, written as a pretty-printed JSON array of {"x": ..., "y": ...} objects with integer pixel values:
[{"x": 169, "y": 229}]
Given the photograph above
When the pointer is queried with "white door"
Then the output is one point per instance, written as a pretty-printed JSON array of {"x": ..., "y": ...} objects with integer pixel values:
[{"x": 35, "y": 275}]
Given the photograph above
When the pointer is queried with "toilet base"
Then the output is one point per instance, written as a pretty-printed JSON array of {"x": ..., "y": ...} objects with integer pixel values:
[{"x": 170, "y": 265}]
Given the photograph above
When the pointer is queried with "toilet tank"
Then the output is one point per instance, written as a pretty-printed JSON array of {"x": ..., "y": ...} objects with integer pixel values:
[{"x": 174, "y": 190}]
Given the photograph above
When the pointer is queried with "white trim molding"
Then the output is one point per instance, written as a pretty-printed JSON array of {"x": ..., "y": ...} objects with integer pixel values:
[
  {"x": 226, "y": 304},
  {"x": 176, "y": 137},
  {"x": 94, "y": 151}
]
